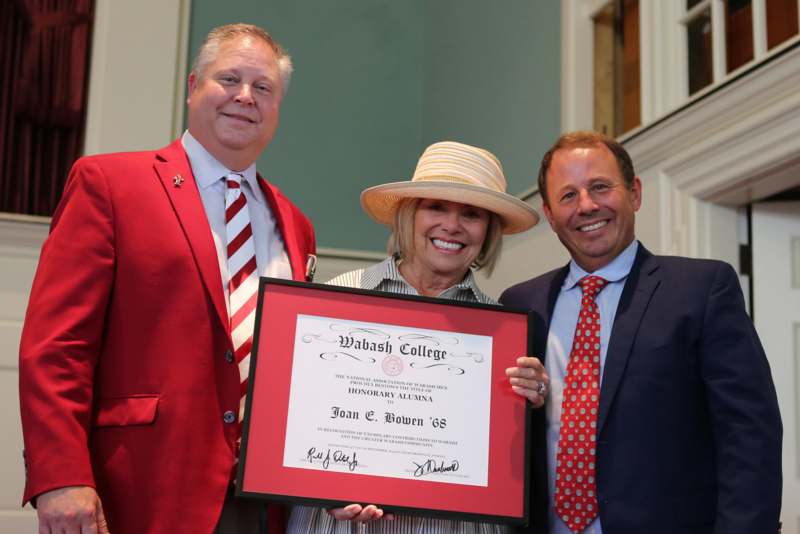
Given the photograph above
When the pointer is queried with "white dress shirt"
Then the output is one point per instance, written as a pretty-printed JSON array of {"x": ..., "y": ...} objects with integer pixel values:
[
  {"x": 209, "y": 174},
  {"x": 559, "y": 342}
]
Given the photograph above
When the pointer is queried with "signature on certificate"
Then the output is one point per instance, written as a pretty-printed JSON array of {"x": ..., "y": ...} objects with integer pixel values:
[
  {"x": 430, "y": 466},
  {"x": 337, "y": 457}
]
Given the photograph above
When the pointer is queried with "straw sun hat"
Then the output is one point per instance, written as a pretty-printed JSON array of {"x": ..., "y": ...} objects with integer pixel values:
[{"x": 457, "y": 173}]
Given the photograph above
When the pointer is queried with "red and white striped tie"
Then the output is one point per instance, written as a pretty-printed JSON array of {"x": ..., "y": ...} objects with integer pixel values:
[{"x": 243, "y": 283}]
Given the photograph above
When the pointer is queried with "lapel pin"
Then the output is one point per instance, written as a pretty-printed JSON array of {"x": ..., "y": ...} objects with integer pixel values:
[{"x": 177, "y": 180}]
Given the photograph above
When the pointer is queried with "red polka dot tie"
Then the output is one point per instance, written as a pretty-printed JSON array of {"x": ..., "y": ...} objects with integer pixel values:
[{"x": 576, "y": 496}]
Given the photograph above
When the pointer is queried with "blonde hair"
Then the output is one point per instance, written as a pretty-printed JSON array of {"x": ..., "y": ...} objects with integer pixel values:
[
  {"x": 401, "y": 240},
  {"x": 210, "y": 48}
]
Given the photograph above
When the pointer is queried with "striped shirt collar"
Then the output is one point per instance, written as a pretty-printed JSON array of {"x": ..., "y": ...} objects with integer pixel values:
[{"x": 388, "y": 270}]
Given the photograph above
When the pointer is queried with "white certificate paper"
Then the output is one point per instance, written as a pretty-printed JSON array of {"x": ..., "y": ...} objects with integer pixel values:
[{"x": 390, "y": 401}]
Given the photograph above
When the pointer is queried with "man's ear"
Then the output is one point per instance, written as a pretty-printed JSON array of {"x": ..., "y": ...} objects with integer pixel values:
[
  {"x": 548, "y": 214},
  {"x": 636, "y": 193},
  {"x": 191, "y": 85}
]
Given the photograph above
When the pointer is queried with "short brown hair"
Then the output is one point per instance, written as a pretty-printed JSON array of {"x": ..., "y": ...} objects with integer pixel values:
[
  {"x": 210, "y": 47},
  {"x": 401, "y": 240},
  {"x": 586, "y": 139}
]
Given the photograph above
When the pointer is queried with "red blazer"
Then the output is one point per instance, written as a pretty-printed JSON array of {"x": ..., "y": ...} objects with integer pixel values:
[{"x": 123, "y": 375}]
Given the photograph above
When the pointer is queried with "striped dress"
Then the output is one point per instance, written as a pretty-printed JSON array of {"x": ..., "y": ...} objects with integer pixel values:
[{"x": 385, "y": 276}]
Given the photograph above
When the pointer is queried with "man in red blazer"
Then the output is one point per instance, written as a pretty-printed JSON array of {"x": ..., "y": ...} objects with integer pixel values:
[{"x": 128, "y": 385}]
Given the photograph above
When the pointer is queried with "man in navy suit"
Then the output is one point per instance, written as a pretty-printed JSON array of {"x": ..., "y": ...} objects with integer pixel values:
[{"x": 685, "y": 434}]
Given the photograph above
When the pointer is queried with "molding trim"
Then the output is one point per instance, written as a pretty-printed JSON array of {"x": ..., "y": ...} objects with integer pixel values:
[
  {"x": 721, "y": 146},
  {"x": 528, "y": 193},
  {"x": 349, "y": 254},
  {"x": 22, "y": 236},
  {"x": 29, "y": 231},
  {"x": 22, "y": 218}
]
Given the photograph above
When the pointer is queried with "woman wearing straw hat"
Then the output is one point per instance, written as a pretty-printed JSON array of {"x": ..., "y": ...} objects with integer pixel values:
[{"x": 446, "y": 221}]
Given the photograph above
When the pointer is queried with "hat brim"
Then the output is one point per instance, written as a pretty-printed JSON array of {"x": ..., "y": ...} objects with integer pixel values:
[{"x": 380, "y": 201}]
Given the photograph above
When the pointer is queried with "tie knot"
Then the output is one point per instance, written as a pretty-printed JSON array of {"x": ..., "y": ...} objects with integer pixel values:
[
  {"x": 591, "y": 285},
  {"x": 233, "y": 181}
]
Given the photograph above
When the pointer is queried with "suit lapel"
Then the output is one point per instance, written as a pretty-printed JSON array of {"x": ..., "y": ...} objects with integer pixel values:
[
  {"x": 172, "y": 167},
  {"x": 553, "y": 290},
  {"x": 642, "y": 282},
  {"x": 544, "y": 303},
  {"x": 285, "y": 222}
]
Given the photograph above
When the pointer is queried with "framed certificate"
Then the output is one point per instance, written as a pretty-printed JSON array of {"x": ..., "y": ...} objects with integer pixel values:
[{"x": 374, "y": 398}]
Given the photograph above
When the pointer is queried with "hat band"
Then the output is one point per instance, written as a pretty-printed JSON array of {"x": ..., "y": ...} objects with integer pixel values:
[{"x": 449, "y": 178}]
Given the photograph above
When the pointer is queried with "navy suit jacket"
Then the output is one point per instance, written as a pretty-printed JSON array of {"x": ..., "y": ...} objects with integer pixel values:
[{"x": 689, "y": 433}]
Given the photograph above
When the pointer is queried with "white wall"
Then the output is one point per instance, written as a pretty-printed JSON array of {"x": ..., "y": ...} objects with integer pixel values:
[
  {"x": 525, "y": 255},
  {"x": 137, "y": 59},
  {"x": 20, "y": 241},
  {"x": 138, "y": 75}
]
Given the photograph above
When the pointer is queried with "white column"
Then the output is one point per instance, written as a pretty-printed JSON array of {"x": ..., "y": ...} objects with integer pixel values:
[
  {"x": 759, "y": 28},
  {"x": 137, "y": 76},
  {"x": 720, "y": 63}
]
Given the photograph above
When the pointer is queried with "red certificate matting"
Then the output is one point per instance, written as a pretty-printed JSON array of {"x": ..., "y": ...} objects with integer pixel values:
[{"x": 262, "y": 473}]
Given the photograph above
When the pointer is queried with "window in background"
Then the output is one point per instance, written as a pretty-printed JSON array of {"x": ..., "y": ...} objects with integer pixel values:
[
  {"x": 688, "y": 48},
  {"x": 738, "y": 33},
  {"x": 699, "y": 44},
  {"x": 724, "y": 35},
  {"x": 617, "y": 78},
  {"x": 782, "y": 21}
]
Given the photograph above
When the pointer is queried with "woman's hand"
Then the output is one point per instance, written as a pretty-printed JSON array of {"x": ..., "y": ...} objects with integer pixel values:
[{"x": 356, "y": 512}]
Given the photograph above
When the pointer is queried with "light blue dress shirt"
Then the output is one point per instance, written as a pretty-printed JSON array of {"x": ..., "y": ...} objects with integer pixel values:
[
  {"x": 271, "y": 257},
  {"x": 559, "y": 342}
]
